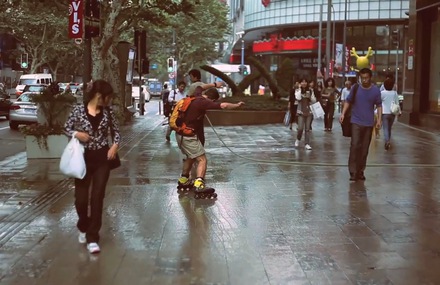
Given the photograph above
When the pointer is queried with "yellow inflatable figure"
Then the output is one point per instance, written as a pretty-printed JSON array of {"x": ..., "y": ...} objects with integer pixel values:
[{"x": 362, "y": 61}]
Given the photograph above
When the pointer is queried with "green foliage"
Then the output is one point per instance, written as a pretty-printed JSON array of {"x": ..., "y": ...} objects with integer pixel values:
[
  {"x": 284, "y": 77},
  {"x": 257, "y": 103},
  {"x": 42, "y": 29},
  {"x": 197, "y": 37},
  {"x": 266, "y": 75},
  {"x": 54, "y": 107}
]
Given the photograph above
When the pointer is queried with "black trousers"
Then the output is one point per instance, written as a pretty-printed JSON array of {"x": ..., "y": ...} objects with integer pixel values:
[
  {"x": 329, "y": 111},
  {"x": 360, "y": 143},
  {"x": 97, "y": 177}
]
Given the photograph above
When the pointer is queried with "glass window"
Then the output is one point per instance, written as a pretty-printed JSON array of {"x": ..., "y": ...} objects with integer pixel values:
[
  {"x": 374, "y": 14},
  {"x": 363, "y": 6},
  {"x": 384, "y": 5},
  {"x": 396, "y": 14},
  {"x": 363, "y": 14},
  {"x": 374, "y": 5},
  {"x": 396, "y": 4},
  {"x": 385, "y": 14}
]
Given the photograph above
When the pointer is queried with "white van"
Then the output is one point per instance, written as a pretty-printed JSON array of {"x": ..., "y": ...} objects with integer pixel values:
[{"x": 33, "y": 79}]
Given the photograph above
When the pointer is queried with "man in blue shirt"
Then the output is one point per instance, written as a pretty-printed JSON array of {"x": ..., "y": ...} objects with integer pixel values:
[{"x": 362, "y": 119}]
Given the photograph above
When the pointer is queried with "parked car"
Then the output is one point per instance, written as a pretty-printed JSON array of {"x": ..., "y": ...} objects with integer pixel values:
[
  {"x": 5, "y": 103},
  {"x": 23, "y": 111},
  {"x": 34, "y": 88}
]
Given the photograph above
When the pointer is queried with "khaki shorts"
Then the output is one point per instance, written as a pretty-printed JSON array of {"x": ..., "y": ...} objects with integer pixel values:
[{"x": 190, "y": 146}]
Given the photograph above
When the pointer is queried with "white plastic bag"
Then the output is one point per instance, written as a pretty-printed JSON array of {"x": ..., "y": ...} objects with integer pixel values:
[
  {"x": 287, "y": 118},
  {"x": 72, "y": 161},
  {"x": 395, "y": 108},
  {"x": 317, "y": 110}
]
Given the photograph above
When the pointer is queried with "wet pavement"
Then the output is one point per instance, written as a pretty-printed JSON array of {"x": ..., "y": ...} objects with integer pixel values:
[{"x": 283, "y": 215}]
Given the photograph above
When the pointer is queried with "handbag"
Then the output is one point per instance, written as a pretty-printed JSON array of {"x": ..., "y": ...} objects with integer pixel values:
[
  {"x": 395, "y": 108},
  {"x": 317, "y": 110},
  {"x": 116, "y": 162},
  {"x": 287, "y": 118},
  {"x": 72, "y": 161},
  {"x": 346, "y": 123}
]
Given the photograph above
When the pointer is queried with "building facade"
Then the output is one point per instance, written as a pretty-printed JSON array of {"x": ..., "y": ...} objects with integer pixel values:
[
  {"x": 422, "y": 54},
  {"x": 273, "y": 30}
]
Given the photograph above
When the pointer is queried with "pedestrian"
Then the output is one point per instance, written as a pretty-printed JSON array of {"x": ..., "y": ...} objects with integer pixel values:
[
  {"x": 141, "y": 101},
  {"x": 164, "y": 95},
  {"x": 193, "y": 146},
  {"x": 293, "y": 105},
  {"x": 305, "y": 96},
  {"x": 194, "y": 76},
  {"x": 175, "y": 96},
  {"x": 388, "y": 97},
  {"x": 345, "y": 91},
  {"x": 329, "y": 95},
  {"x": 367, "y": 98},
  {"x": 90, "y": 123}
]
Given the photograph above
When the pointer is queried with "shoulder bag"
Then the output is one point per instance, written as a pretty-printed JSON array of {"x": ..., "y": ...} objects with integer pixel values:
[{"x": 346, "y": 124}]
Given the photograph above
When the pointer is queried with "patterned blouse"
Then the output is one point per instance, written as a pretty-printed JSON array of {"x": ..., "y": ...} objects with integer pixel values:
[{"x": 78, "y": 121}]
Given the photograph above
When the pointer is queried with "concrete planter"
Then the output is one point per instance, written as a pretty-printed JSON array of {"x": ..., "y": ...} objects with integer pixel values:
[
  {"x": 35, "y": 147},
  {"x": 237, "y": 117}
]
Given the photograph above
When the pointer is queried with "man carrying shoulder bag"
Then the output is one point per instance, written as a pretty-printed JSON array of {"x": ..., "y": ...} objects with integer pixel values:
[{"x": 175, "y": 96}]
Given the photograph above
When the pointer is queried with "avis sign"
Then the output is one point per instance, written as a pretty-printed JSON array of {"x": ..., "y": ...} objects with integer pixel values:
[{"x": 75, "y": 19}]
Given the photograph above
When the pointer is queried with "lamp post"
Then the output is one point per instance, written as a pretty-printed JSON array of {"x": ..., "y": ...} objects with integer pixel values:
[
  {"x": 333, "y": 47},
  {"x": 327, "y": 38},
  {"x": 241, "y": 34},
  {"x": 320, "y": 39},
  {"x": 344, "y": 43}
]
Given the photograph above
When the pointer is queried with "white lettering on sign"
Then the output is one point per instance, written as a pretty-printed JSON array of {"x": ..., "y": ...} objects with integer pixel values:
[{"x": 76, "y": 20}]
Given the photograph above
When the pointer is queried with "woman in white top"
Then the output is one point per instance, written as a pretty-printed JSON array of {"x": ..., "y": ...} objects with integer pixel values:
[{"x": 389, "y": 97}]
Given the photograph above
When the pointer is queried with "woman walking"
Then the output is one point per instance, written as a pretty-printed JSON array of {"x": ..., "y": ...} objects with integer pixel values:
[
  {"x": 305, "y": 96},
  {"x": 90, "y": 123},
  {"x": 329, "y": 95},
  {"x": 388, "y": 97},
  {"x": 293, "y": 104}
]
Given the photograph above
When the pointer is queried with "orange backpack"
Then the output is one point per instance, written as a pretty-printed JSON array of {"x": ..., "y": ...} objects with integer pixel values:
[{"x": 177, "y": 119}]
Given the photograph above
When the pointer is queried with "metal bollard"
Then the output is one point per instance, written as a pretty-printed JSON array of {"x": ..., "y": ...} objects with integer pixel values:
[{"x": 160, "y": 107}]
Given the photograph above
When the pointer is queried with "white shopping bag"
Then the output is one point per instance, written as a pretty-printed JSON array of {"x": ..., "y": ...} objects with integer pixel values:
[
  {"x": 287, "y": 118},
  {"x": 72, "y": 161},
  {"x": 317, "y": 110}
]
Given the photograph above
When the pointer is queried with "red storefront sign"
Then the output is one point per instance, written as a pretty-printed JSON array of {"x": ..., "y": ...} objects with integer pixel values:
[
  {"x": 76, "y": 19},
  {"x": 275, "y": 45}
]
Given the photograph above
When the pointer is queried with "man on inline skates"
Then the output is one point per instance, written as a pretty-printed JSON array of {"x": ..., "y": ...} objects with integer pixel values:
[{"x": 193, "y": 146}]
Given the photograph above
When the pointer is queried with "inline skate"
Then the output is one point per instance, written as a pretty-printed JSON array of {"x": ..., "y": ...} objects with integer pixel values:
[
  {"x": 184, "y": 186},
  {"x": 203, "y": 192}
]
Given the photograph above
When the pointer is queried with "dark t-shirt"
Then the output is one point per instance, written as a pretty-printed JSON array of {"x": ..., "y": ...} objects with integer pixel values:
[{"x": 196, "y": 112}]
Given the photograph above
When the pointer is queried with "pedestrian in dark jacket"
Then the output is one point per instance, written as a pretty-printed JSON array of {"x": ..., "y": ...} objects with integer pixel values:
[{"x": 90, "y": 123}]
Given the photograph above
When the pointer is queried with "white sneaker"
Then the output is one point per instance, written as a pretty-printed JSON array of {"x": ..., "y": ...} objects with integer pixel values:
[
  {"x": 308, "y": 147},
  {"x": 297, "y": 143},
  {"x": 82, "y": 237},
  {"x": 93, "y": 247}
]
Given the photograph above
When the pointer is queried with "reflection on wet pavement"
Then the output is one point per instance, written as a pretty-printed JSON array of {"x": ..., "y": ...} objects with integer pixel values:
[{"x": 275, "y": 223}]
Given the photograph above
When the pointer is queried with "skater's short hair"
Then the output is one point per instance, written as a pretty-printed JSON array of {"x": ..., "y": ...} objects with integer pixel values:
[{"x": 212, "y": 93}]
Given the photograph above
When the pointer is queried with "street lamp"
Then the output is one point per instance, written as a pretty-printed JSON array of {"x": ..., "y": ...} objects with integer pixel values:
[
  {"x": 344, "y": 43},
  {"x": 333, "y": 37},
  {"x": 327, "y": 38},
  {"x": 241, "y": 34}
]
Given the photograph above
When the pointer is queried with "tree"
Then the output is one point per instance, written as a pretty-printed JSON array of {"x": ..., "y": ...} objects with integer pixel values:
[
  {"x": 284, "y": 77},
  {"x": 198, "y": 36},
  {"x": 41, "y": 29}
]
